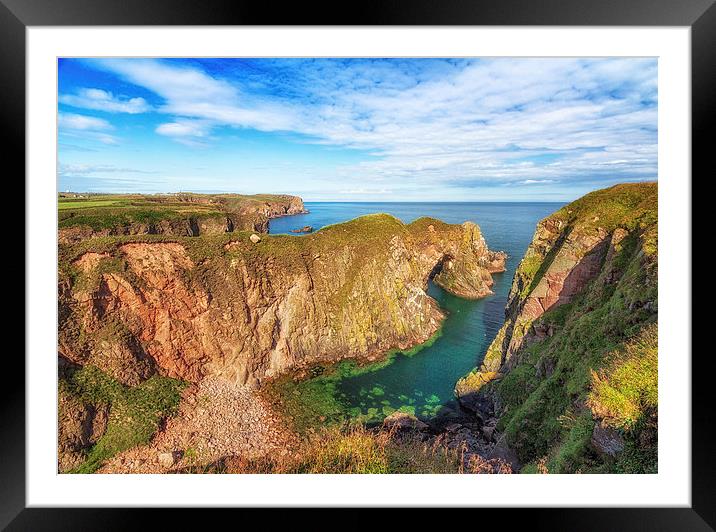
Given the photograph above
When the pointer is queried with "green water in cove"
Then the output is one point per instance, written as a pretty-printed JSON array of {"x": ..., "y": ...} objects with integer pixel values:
[{"x": 421, "y": 381}]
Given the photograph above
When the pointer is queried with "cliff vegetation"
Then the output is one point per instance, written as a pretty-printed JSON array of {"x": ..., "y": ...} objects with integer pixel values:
[{"x": 572, "y": 375}]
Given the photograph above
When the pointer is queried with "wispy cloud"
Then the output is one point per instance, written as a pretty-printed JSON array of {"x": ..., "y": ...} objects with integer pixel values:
[
  {"x": 461, "y": 123},
  {"x": 82, "y": 126},
  {"x": 191, "y": 94},
  {"x": 102, "y": 100},
  {"x": 468, "y": 121},
  {"x": 536, "y": 181},
  {"x": 95, "y": 169},
  {"x": 84, "y": 123},
  {"x": 361, "y": 191},
  {"x": 188, "y": 132}
]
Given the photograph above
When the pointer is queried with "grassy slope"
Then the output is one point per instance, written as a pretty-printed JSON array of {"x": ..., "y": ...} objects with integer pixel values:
[
  {"x": 603, "y": 352},
  {"x": 107, "y": 211},
  {"x": 350, "y": 449},
  {"x": 135, "y": 412}
]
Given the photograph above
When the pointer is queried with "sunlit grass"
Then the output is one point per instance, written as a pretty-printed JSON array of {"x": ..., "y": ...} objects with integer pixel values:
[{"x": 135, "y": 412}]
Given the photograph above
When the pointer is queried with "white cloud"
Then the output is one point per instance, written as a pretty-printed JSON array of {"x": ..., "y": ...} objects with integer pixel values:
[
  {"x": 361, "y": 191},
  {"x": 192, "y": 94},
  {"x": 472, "y": 122},
  {"x": 536, "y": 181},
  {"x": 188, "y": 132},
  {"x": 82, "y": 122},
  {"x": 87, "y": 127},
  {"x": 101, "y": 100}
]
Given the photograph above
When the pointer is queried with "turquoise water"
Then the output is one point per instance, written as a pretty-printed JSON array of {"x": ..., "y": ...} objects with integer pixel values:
[{"x": 423, "y": 380}]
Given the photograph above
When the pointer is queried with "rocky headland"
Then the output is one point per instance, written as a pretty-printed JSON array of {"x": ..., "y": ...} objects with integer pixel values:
[
  {"x": 249, "y": 310},
  {"x": 171, "y": 214},
  {"x": 569, "y": 383}
]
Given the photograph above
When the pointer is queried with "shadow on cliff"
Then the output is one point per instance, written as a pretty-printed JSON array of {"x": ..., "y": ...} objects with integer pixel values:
[{"x": 580, "y": 275}]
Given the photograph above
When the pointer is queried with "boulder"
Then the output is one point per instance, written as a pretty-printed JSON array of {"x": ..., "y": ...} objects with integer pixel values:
[
  {"x": 169, "y": 459},
  {"x": 606, "y": 440},
  {"x": 255, "y": 238},
  {"x": 304, "y": 229},
  {"x": 504, "y": 453},
  {"x": 403, "y": 421},
  {"x": 488, "y": 431}
]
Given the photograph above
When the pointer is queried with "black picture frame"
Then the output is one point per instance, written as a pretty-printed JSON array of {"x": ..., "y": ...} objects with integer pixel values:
[{"x": 699, "y": 15}]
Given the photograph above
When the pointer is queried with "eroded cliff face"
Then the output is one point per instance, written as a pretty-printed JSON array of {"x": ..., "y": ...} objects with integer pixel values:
[
  {"x": 249, "y": 311},
  {"x": 585, "y": 289},
  {"x": 557, "y": 266}
]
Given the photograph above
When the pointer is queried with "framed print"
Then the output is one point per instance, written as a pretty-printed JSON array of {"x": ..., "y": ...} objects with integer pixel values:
[{"x": 408, "y": 259}]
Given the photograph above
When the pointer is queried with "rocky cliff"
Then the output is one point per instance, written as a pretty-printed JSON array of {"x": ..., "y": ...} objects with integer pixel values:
[
  {"x": 174, "y": 214},
  {"x": 570, "y": 379},
  {"x": 250, "y": 308}
]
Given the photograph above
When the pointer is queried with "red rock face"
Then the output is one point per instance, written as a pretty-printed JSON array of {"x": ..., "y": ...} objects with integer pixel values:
[
  {"x": 563, "y": 285},
  {"x": 568, "y": 262},
  {"x": 249, "y": 317}
]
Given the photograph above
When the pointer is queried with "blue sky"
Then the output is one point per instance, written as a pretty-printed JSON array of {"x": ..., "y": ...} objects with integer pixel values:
[{"x": 358, "y": 129}]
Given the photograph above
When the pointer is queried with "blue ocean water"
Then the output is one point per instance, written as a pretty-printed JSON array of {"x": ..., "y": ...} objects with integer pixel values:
[{"x": 422, "y": 382}]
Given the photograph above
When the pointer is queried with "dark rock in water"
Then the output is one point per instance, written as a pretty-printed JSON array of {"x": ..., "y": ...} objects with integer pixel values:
[
  {"x": 447, "y": 416},
  {"x": 480, "y": 405},
  {"x": 304, "y": 229}
]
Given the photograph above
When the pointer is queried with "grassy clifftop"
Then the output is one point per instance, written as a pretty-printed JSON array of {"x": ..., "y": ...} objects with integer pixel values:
[{"x": 82, "y": 216}]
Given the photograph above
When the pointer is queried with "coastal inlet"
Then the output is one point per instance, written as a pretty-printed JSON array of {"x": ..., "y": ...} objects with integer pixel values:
[{"x": 420, "y": 380}]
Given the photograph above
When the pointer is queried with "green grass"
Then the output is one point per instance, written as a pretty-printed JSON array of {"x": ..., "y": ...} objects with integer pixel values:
[
  {"x": 80, "y": 204},
  {"x": 629, "y": 205},
  {"x": 135, "y": 412},
  {"x": 115, "y": 215},
  {"x": 113, "y": 211},
  {"x": 627, "y": 388}
]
